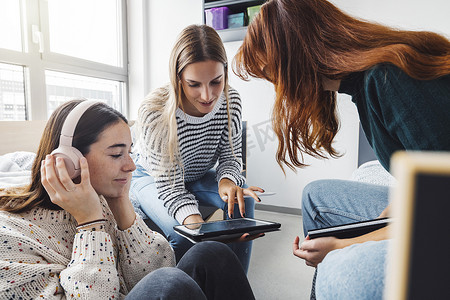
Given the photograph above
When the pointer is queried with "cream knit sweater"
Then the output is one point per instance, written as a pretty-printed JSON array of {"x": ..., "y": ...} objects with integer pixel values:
[{"x": 43, "y": 257}]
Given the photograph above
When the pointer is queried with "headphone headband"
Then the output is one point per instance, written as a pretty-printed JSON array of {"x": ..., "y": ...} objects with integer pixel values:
[{"x": 68, "y": 128}]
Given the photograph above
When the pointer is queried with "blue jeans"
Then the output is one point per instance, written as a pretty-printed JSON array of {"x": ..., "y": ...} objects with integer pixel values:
[
  {"x": 355, "y": 272},
  {"x": 205, "y": 190},
  {"x": 209, "y": 270}
]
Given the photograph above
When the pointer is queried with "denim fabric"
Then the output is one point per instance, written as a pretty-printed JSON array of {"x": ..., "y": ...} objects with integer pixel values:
[
  {"x": 205, "y": 190},
  {"x": 209, "y": 270},
  {"x": 335, "y": 202},
  {"x": 357, "y": 271}
]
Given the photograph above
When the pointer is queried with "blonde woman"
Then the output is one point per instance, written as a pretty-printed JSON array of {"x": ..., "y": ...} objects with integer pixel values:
[{"x": 183, "y": 130}]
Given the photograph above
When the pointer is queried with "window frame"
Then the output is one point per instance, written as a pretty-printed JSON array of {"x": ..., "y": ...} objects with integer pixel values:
[{"x": 36, "y": 63}]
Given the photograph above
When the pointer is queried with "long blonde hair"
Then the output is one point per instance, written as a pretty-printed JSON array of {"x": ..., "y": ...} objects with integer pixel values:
[{"x": 196, "y": 43}]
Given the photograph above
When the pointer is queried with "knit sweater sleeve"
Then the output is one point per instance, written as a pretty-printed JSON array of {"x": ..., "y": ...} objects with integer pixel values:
[
  {"x": 35, "y": 264},
  {"x": 142, "y": 251},
  {"x": 152, "y": 132},
  {"x": 230, "y": 158},
  {"x": 179, "y": 201},
  {"x": 92, "y": 270},
  {"x": 42, "y": 256},
  {"x": 24, "y": 272}
]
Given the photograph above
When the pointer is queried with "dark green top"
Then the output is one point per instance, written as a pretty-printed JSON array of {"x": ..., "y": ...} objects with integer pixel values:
[{"x": 398, "y": 112}]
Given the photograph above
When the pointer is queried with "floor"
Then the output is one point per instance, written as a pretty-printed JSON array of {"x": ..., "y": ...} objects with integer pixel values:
[{"x": 275, "y": 273}]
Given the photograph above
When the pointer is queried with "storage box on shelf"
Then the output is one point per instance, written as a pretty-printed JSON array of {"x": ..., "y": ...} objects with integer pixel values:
[
  {"x": 252, "y": 11},
  {"x": 236, "y": 18},
  {"x": 217, "y": 17}
]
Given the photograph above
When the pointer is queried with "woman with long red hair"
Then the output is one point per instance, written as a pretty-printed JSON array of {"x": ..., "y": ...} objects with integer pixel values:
[{"x": 400, "y": 83}]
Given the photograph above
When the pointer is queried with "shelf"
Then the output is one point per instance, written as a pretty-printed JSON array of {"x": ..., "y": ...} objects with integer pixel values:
[
  {"x": 232, "y": 34},
  {"x": 231, "y": 3},
  {"x": 235, "y": 6}
]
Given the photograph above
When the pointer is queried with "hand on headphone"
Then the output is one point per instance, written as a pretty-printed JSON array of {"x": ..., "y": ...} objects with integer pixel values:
[{"x": 80, "y": 200}]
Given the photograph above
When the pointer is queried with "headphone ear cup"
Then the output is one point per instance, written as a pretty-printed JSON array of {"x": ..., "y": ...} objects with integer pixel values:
[{"x": 71, "y": 156}]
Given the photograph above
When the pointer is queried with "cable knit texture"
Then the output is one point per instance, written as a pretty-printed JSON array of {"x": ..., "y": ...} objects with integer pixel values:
[
  {"x": 43, "y": 257},
  {"x": 203, "y": 141}
]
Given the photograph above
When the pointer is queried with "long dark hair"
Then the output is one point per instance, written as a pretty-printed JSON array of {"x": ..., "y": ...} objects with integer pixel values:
[
  {"x": 92, "y": 123},
  {"x": 295, "y": 43}
]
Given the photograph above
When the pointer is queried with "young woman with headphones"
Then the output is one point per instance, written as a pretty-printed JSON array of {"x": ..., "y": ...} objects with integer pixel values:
[{"x": 73, "y": 232}]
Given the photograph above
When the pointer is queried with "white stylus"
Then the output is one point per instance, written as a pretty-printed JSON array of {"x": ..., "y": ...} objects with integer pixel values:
[{"x": 259, "y": 194}]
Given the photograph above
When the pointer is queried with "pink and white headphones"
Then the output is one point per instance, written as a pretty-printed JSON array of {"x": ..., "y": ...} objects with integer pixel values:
[{"x": 70, "y": 154}]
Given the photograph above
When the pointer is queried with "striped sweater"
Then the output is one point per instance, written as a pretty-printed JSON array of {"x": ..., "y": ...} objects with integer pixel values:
[{"x": 203, "y": 142}]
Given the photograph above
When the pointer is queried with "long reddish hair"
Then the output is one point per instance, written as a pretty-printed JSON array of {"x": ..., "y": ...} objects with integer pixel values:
[{"x": 295, "y": 43}]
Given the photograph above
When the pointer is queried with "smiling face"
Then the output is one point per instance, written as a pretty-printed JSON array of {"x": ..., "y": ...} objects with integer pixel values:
[
  {"x": 202, "y": 84},
  {"x": 110, "y": 164}
]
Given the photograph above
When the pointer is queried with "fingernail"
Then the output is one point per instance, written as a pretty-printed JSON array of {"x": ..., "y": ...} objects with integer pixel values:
[
  {"x": 243, "y": 215},
  {"x": 260, "y": 199}
]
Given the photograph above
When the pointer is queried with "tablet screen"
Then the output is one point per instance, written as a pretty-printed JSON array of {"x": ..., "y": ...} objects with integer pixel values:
[{"x": 232, "y": 227}]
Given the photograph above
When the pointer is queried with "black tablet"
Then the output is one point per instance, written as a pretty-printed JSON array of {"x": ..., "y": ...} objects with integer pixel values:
[
  {"x": 350, "y": 230},
  {"x": 226, "y": 229}
]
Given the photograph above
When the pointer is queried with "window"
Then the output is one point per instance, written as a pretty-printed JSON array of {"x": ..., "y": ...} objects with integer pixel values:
[
  {"x": 63, "y": 86},
  {"x": 12, "y": 95},
  {"x": 10, "y": 27},
  {"x": 54, "y": 50}
]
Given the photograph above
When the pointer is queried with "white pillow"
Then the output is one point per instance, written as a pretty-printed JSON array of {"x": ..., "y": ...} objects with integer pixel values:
[
  {"x": 374, "y": 173},
  {"x": 15, "y": 168}
]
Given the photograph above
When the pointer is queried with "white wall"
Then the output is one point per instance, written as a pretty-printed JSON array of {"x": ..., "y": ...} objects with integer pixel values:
[
  {"x": 153, "y": 26},
  {"x": 430, "y": 15},
  {"x": 162, "y": 29},
  {"x": 137, "y": 58}
]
